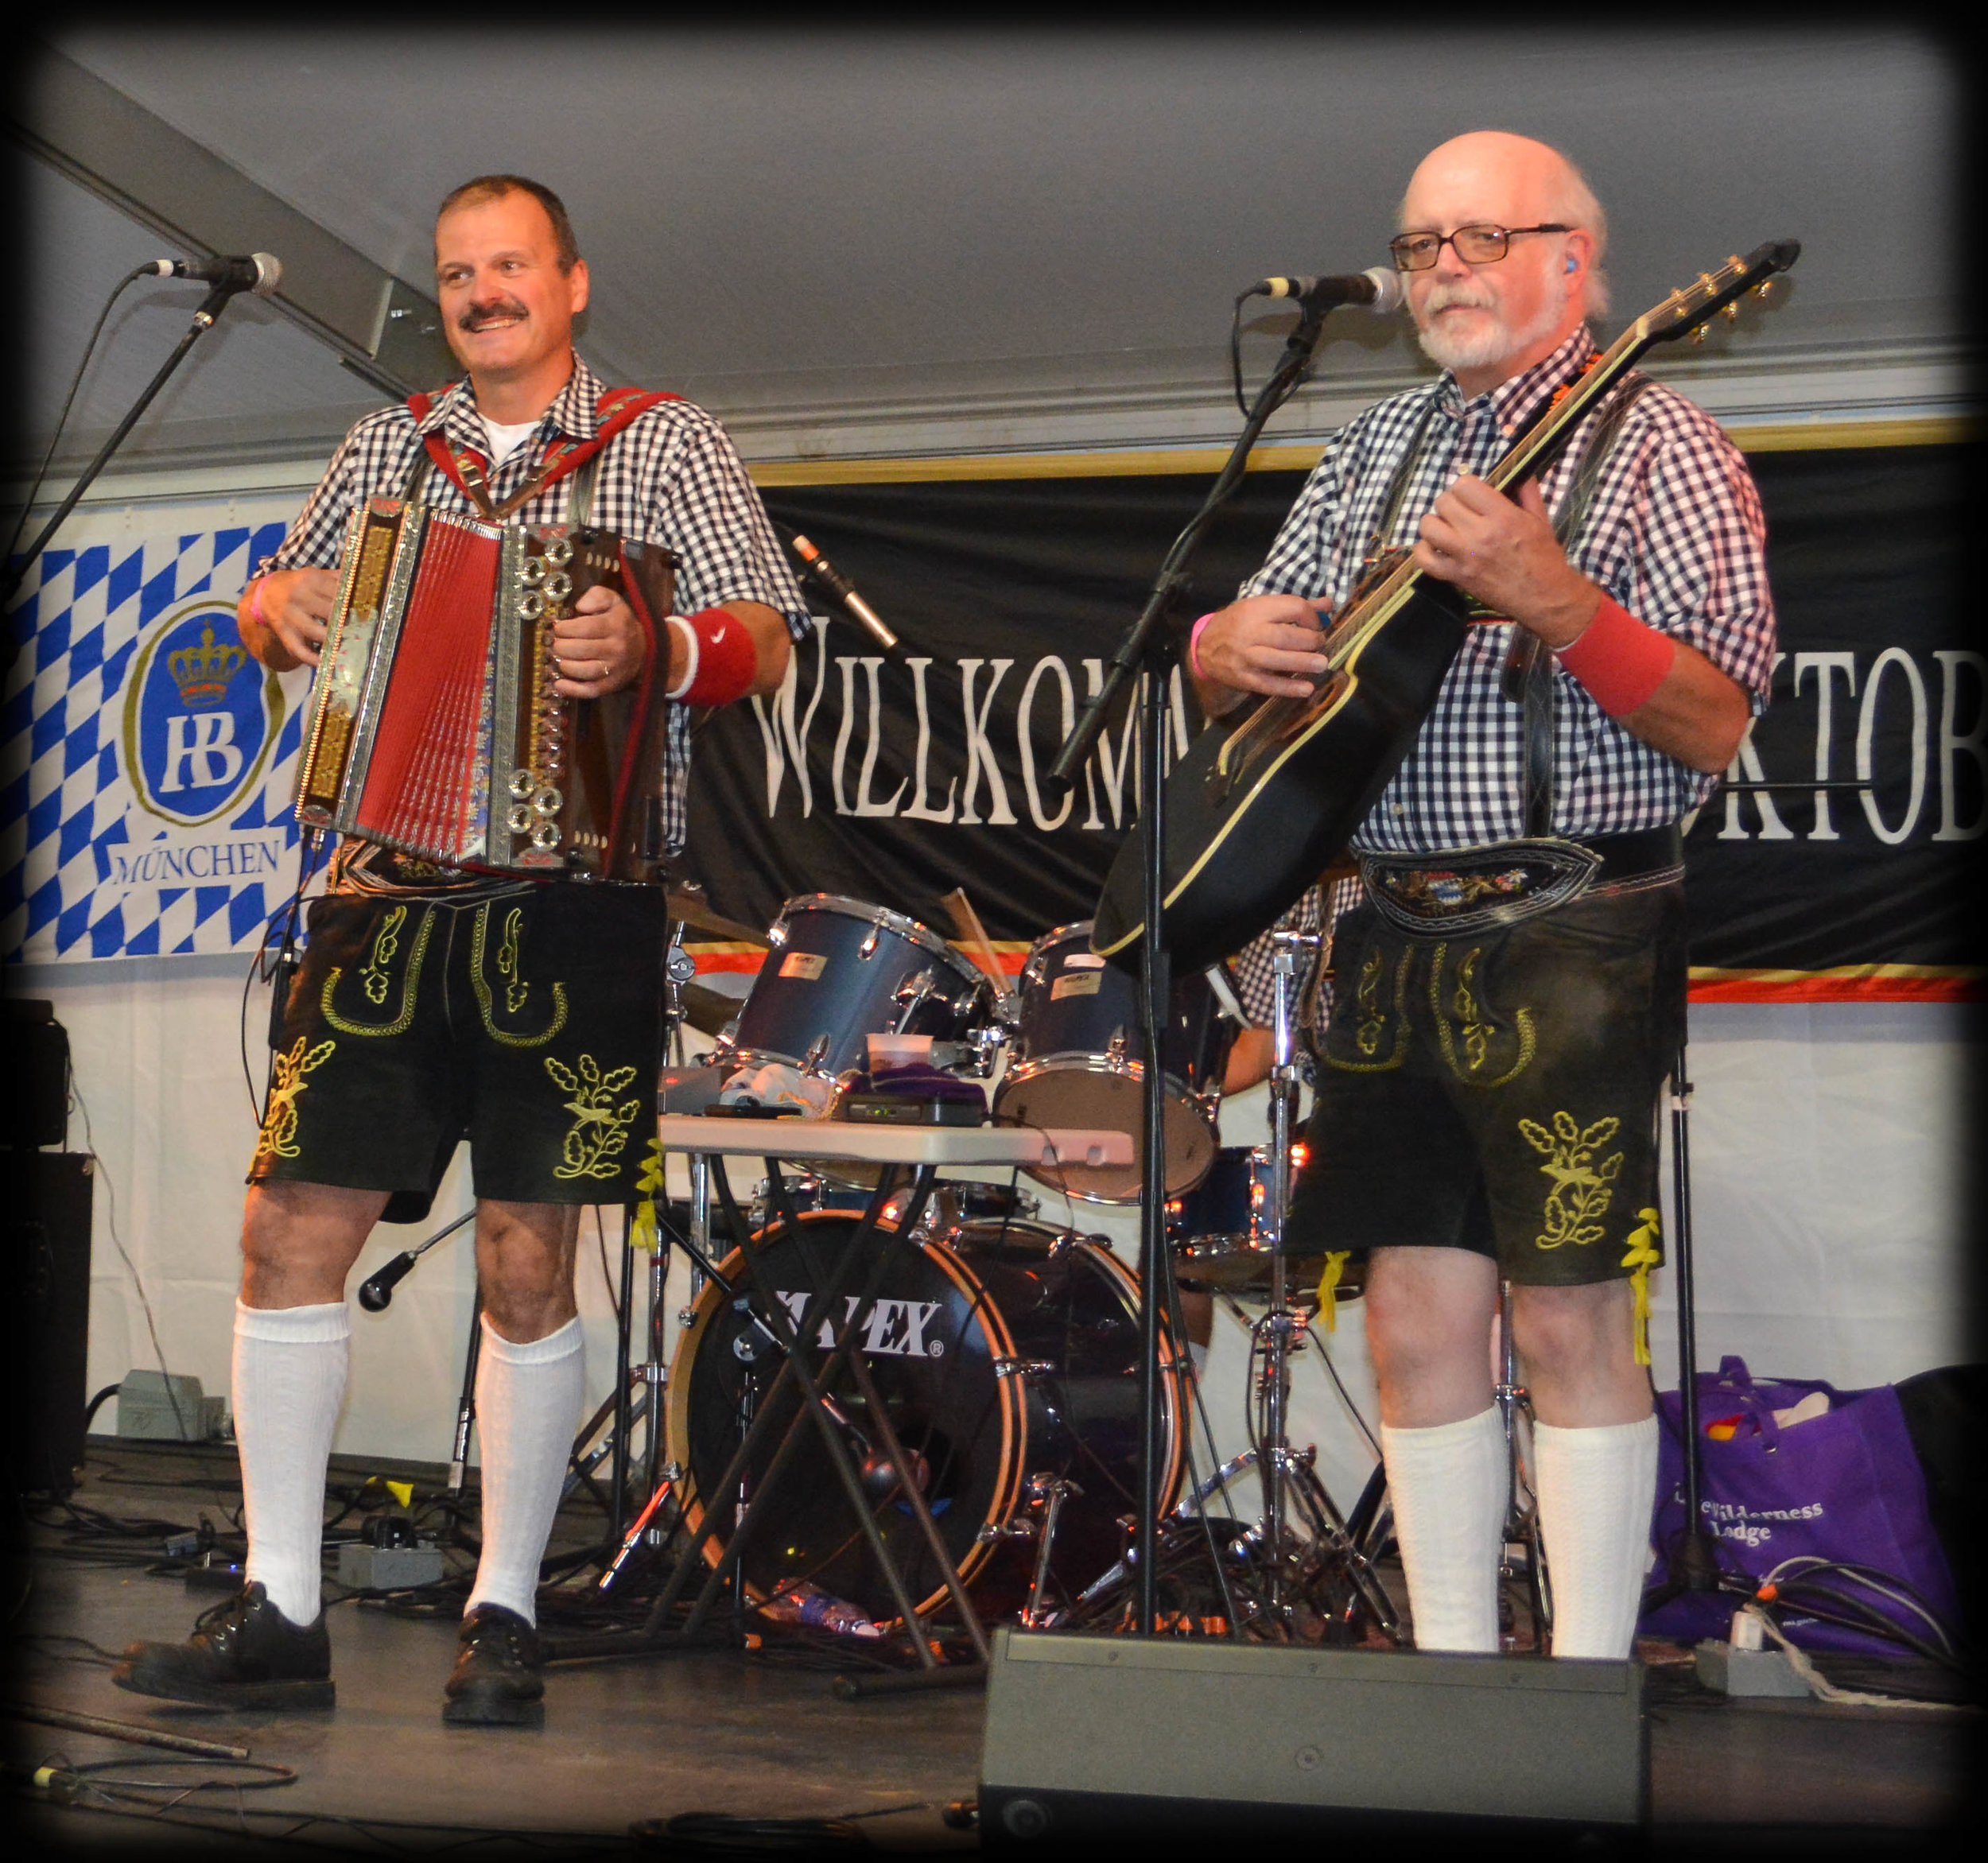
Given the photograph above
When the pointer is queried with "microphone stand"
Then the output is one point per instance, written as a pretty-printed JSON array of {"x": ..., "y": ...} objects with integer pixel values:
[
  {"x": 15, "y": 573},
  {"x": 1151, "y": 650}
]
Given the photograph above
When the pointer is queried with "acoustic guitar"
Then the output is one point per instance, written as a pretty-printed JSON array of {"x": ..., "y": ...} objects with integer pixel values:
[{"x": 1264, "y": 799}]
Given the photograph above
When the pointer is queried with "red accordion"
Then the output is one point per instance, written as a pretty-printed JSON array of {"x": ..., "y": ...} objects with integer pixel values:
[{"x": 433, "y": 725}]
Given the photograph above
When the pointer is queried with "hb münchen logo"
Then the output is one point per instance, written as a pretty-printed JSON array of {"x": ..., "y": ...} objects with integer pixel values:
[{"x": 200, "y": 716}]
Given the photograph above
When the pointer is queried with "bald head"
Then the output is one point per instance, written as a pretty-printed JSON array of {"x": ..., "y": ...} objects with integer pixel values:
[{"x": 1521, "y": 182}]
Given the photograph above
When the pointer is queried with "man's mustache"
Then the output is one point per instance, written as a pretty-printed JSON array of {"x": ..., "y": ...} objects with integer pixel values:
[
  {"x": 1458, "y": 297},
  {"x": 479, "y": 314}
]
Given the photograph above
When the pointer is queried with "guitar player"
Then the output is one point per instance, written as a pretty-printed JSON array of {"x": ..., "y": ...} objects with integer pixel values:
[{"x": 1508, "y": 996}]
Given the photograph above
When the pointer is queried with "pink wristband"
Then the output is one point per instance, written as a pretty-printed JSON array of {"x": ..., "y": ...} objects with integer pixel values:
[
  {"x": 1621, "y": 660},
  {"x": 1194, "y": 644},
  {"x": 255, "y": 603}
]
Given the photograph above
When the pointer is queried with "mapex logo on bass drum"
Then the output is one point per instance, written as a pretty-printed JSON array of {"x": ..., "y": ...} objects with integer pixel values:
[
  {"x": 896, "y": 1328},
  {"x": 200, "y": 716}
]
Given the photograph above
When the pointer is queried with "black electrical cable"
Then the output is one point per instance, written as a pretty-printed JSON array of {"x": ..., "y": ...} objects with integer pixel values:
[{"x": 68, "y": 401}]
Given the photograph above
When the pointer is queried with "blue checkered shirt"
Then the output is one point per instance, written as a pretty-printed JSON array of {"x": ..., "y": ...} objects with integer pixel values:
[
  {"x": 1675, "y": 533},
  {"x": 670, "y": 477}
]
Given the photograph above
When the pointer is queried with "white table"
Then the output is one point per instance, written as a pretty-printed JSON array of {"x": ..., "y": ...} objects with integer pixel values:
[{"x": 1031, "y": 1147}]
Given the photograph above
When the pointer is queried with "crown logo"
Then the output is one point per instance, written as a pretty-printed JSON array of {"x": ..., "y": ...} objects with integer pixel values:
[{"x": 202, "y": 673}]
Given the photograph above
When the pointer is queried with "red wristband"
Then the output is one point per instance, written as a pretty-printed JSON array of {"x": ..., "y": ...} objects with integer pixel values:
[
  {"x": 1193, "y": 644},
  {"x": 1621, "y": 660},
  {"x": 720, "y": 659}
]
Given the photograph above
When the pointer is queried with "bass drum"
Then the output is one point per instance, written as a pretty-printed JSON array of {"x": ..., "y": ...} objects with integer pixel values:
[{"x": 1003, "y": 1352}]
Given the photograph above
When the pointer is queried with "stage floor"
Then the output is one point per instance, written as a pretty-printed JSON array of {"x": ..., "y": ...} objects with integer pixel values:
[{"x": 758, "y": 1735}]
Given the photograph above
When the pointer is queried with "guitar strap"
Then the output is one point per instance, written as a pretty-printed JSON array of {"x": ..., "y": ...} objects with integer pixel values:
[{"x": 1527, "y": 676}]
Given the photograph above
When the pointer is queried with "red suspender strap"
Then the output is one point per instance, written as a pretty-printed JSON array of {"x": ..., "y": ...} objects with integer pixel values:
[{"x": 468, "y": 472}]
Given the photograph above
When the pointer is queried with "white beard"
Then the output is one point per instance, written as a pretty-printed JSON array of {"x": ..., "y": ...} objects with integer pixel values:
[{"x": 1493, "y": 340}]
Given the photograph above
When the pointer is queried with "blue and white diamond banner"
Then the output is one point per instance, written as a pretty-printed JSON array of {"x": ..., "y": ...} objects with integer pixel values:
[{"x": 146, "y": 763}]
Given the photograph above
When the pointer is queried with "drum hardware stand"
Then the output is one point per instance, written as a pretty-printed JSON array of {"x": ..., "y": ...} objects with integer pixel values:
[
  {"x": 1521, "y": 1513},
  {"x": 1150, "y": 652},
  {"x": 813, "y": 1384},
  {"x": 650, "y": 1378},
  {"x": 1049, "y": 1492}
]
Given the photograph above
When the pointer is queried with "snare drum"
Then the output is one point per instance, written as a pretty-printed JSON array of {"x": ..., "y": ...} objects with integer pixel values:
[
  {"x": 1218, "y": 1233},
  {"x": 1078, "y": 1060}
]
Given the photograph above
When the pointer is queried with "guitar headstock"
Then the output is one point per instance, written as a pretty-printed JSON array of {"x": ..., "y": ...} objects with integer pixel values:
[{"x": 1691, "y": 309}]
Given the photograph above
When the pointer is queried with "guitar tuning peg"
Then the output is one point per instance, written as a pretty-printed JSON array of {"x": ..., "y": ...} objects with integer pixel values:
[
  {"x": 1734, "y": 260},
  {"x": 1697, "y": 334},
  {"x": 1764, "y": 286},
  {"x": 1731, "y": 312}
]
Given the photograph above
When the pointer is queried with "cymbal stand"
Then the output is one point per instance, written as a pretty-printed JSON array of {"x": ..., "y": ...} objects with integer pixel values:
[
  {"x": 650, "y": 1377},
  {"x": 1290, "y": 1487}
]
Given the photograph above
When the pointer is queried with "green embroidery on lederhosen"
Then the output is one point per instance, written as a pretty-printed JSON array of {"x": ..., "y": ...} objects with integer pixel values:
[
  {"x": 376, "y": 978},
  {"x": 516, "y": 989},
  {"x": 278, "y": 1135},
  {"x": 599, "y": 1131},
  {"x": 1374, "y": 1017},
  {"x": 1475, "y": 1026},
  {"x": 1580, "y": 1195}
]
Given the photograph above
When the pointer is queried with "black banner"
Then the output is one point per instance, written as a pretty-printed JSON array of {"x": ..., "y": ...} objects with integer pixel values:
[{"x": 895, "y": 784}]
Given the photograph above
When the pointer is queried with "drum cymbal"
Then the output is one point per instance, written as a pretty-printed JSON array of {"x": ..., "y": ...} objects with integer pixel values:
[
  {"x": 688, "y": 903},
  {"x": 707, "y": 1010}
]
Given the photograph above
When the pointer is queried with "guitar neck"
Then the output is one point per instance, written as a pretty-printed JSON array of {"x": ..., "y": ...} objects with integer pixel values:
[{"x": 1536, "y": 448}]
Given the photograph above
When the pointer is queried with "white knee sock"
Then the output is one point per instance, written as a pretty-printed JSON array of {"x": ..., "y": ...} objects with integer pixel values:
[
  {"x": 288, "y": 1381},
  {"x": 1447, "y": 1485},
  {"x": 528, "y": 1399},
  {"x": 1596, "y": 1489}
]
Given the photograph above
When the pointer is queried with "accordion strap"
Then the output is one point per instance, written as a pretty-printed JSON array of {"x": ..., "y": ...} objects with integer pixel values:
[{"x": 469, "y": 471}]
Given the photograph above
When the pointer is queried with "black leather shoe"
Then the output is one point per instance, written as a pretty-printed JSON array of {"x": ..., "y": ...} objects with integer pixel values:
[
  {"x": 243, "y": 1653},
  {"x": 499, "y": 1678}
]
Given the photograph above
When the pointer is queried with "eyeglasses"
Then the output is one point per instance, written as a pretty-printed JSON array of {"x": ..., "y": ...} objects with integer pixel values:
[{"x": 1475, "y": 246}]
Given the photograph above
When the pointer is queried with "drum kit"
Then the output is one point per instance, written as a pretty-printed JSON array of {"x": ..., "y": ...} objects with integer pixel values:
[{"x": 1004, "y": 1351}]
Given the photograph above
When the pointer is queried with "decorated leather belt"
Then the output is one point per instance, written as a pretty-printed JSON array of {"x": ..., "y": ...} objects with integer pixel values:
[{"x": 1470, "y": 889}]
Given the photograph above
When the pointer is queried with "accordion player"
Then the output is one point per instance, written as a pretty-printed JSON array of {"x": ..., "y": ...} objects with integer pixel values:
[{"x": 459, "y": 751}]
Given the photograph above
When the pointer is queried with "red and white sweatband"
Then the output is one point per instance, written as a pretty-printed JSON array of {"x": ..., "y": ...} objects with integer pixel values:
[
  {"x": 720, "y": 659},
  {"x": 1621, "y": 660}
]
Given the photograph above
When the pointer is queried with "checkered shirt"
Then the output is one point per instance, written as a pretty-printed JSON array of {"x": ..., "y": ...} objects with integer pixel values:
[
  {"x": 1674, "y": 533},
  {"x": 670, "y": 477}
]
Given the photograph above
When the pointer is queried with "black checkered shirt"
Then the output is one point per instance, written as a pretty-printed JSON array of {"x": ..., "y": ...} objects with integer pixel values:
[
  {"x": 670, "y": 477},
  {"x": 1674, "y": 534}
]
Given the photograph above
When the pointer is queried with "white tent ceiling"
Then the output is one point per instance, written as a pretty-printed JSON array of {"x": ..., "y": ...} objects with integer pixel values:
[{"x": 865, "y": 240}]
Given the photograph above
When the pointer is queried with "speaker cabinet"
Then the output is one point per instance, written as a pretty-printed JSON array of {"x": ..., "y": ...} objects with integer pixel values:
[
  {"x": 44, "y": 1220},
  {"x": 1095, "y": 1741}
]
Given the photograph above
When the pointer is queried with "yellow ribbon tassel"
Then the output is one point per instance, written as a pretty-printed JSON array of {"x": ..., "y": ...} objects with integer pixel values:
[
  {"x": 1329, "y": 1288},
  {"x": 642, "y": 1232},
  {"x": 1643, "y": 1256}
]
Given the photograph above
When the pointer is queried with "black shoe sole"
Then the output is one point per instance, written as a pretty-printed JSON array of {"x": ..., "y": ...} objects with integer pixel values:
[
  {"x": 289, "y": 1695},
  {"x": 492, "y": 1707}
]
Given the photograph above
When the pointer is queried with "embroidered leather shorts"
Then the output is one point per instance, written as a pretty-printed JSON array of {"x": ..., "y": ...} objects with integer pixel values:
[
  {"x": 527, "y": 1023},
  {"x": 1495, "y": 1087}
]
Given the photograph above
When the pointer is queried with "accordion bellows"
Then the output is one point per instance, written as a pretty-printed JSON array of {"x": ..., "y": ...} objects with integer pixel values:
[{"x": 433, "y": 726}]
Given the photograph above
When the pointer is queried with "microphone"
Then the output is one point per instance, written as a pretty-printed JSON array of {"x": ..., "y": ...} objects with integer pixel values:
[
  {"x": 1378, "y": 288},
  {"x": 259, "y": 272},
  {"x": 375, "y": 1293},
  {"x": 820, "y": 570}
]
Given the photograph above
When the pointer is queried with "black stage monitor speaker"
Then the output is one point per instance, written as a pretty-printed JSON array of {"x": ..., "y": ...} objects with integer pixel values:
[
  {"x": 1164, "y": 1745},
  {"x": 45, "y": 1242}
]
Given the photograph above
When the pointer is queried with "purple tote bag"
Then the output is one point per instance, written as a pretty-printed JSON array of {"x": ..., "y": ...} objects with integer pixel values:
[{"x": 1845, "y": 1485}]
